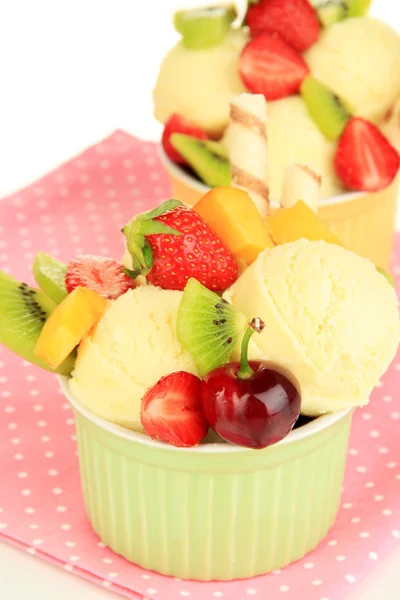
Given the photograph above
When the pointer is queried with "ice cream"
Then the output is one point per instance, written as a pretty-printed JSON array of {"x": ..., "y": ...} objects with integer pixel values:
[
  {"x": 198, "y": 84},
  {"x": 131, "y": 348},
  {"x": 359, "y": 60},
  {"x": 293, "y": 137},
  {"x": 330, "y": 318},
  {"x": 391, "y": 125},
  {"x": 351, "y": 69}
]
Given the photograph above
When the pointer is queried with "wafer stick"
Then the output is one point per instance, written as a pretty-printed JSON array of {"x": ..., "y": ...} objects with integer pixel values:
[
  {"x": 248, "y": 148},
  {"x": 300, "y": 183}
]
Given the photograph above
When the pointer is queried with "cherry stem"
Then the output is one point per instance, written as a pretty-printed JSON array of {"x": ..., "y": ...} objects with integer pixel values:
[{"x": 245, "y": 371}]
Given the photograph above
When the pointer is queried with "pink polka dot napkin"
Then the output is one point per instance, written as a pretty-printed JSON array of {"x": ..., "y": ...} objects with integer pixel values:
[{"x": 81, "y": 207}]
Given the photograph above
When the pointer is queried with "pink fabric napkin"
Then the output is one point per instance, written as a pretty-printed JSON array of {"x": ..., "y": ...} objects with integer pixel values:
[{"x": 81, "y": 207}]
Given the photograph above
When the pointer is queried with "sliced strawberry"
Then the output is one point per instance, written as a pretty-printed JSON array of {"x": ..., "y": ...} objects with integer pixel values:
[
  {"x": 269, "y": 66},
  {"x": 177, "y": 124},
  {"x": 364, "y": 158},
  {"x": 171, "y": 410},
  {"x": 295, "y": 20},
  {"x": 103, "y": 275}
]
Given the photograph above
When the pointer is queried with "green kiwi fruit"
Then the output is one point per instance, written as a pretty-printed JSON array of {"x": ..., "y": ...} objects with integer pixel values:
[
  {"x": 206, "y": 27},
  {"x": 326, "y": 109},
  {"x": 208, "y": 326},
  {"x": 49, "y": 274},
  {"x": 330, "y": 11},
  {"x": 23, "y": 312},
  {"x": 388, "y": 276},
  {"x": 208, "y": 159},
  {"x": 357, "y": 8}
]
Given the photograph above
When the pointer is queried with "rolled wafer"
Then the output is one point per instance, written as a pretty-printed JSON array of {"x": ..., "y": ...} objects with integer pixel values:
[
  {"x": 300, "y": 183},
  {"x": 248, "y": 148}
]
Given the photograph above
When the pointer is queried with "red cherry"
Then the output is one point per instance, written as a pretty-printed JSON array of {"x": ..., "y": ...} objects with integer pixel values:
[
  {"x": 254, "y": 412},
  {"x": 251, "y": 405}
]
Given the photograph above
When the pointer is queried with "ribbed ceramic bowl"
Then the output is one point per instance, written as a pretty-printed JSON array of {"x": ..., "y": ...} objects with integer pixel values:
[
  {"x": 364, "y": 222},
  {"x": 216, "y": 511}
]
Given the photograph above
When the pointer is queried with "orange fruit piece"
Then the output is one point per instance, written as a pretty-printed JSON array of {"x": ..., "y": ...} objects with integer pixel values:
[
  {"x": 232, "y": 215},
  {"x": 297, "y": 222},
  {"x": 68, "y": 324}
]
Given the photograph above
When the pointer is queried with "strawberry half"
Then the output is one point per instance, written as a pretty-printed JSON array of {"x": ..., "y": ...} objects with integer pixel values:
[
  {"x": 177, "y": 124},
  {"x": 269, "y": 66},
  {"x": 364, "y": 158},
  {"x": 295, "y": 20},
  {"x": 102, "y": 275},
  {"x": 171, "y": 410},
  {"x": 172, "y": 243}
]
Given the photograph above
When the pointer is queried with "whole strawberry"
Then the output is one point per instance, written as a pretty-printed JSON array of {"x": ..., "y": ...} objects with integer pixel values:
[
  {"x": 296, "y": 21},
  {"x": 172, "y": 243}
]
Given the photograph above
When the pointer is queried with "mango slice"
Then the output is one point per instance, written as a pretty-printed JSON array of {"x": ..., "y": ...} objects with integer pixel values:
[
  {"x": 68, "y": 324},
  {"x": 297, "y": 222},
  {"x": 232, "y": 215}
]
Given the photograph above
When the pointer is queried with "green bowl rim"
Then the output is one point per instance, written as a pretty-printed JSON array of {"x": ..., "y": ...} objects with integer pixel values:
[
  {"x": 317, "y": 425},
  {"x": 203, "y": 188}
]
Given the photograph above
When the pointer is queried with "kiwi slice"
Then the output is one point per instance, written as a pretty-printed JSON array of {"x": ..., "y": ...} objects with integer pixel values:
[
  {"x": 388, "y": 276},
  {"x": 330, "y": 11},
  {"x": 326, "y": 109},
  {"x": 23, "y": 312},
  {"x": 357, "y": 8},
  {"x": 204, "y": 27},
  {"x": 208, "y": 326},
  {"x": 208, "y": 159},
  {"x": 49, "y": 274}
]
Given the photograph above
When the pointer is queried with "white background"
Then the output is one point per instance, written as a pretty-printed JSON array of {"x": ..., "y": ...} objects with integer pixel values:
[{"x": 71, "y": 72}]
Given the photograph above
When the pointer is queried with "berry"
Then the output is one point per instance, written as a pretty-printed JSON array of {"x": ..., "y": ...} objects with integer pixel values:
[
  {"x": 171, "y": 410},
  {"x": 295, "y": 20},
  {"x": 172, "y": 243},
  {"x": 364, "y": 158},
  {"x": 102, "y": 275},
  {"x": 250, "y": 404},
  {"x": 269, "y": 66},
  {"x": 177, "y": 124}
]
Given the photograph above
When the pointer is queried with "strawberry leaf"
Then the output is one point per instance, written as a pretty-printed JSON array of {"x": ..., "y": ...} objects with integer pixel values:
[
  {"x": 157, "y": 227},
  {"x": 160, "y": 210},
  {"x": 130, "y": 273},
  {"x": 148, "y": 254}
]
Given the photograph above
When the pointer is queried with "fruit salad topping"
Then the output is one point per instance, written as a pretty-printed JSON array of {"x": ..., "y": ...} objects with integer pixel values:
[
  {"x": 177, "y": 124},
  {"x": 183, "y": 255},
  {"x": 172, "y": 243},
  {"x": 102, "y": 275},
  {"x": 295, "y": 21},
  {"x": 274, "y": 63},
  {"x": 250, "y": 404},
  {"x": 171, "y": 410},
  {"x": 247, "y": 404},
  {"x": 270, "y": 66}
]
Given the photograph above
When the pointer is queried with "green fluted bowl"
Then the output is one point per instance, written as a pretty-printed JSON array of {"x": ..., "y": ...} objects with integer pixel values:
[{"x": 216, "y": 511}]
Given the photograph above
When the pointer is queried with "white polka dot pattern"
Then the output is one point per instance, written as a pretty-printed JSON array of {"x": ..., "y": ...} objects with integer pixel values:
[{"x": 80, "y": 208}]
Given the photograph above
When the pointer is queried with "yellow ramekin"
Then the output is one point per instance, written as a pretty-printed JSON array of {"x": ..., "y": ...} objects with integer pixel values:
[{"x": 363, "y": 221}]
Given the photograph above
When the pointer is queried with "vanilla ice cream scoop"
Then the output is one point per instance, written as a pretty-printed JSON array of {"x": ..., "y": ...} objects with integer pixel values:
[
  {"x": 331, "y": 319},
  {"x": 199, "y": 84},
  {"x": 132, "y": 347},
  {"x": 359, "y": 60}
]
